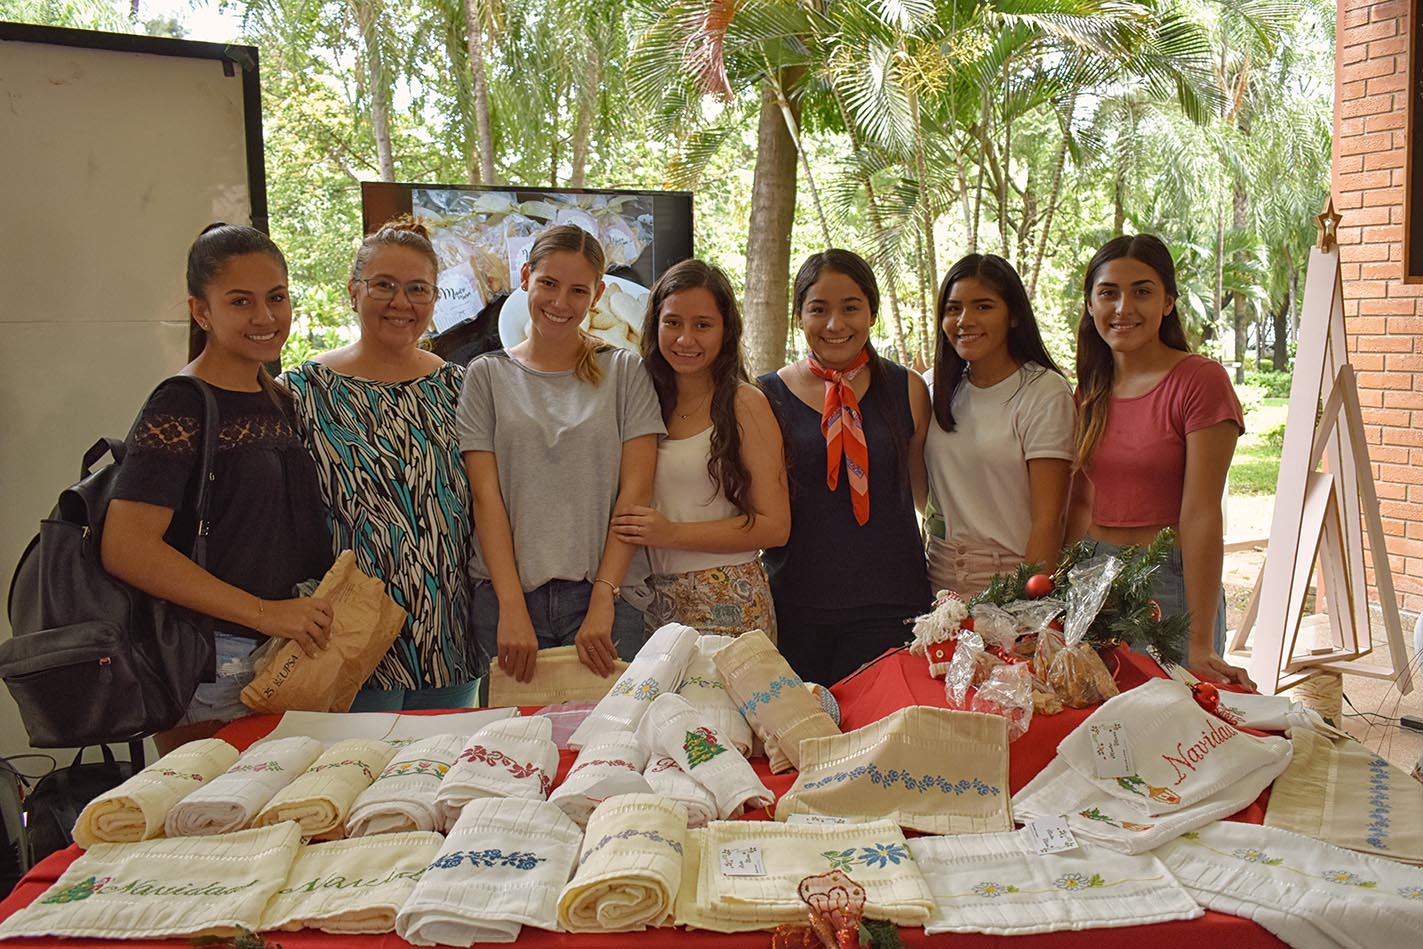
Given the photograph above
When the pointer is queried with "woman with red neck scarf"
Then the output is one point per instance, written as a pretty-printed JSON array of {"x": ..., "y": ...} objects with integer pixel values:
[{"x": 853, "y": 569}]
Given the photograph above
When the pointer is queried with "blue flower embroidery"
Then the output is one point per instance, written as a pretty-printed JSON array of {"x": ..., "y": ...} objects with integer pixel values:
[
  {"x": 1378, "y": 798},
  {"x": 994, "y": 890},
  {"x": 1345, "y": 878},
  {"x": 895, "y": 777},
  {"x": 772, "y": 691},
  {"x": 518, "y": 859},
  {"x": 652, "y": 835},
  {"x": 880, "y": 855},
  {"x": 1411, "y": 892}
]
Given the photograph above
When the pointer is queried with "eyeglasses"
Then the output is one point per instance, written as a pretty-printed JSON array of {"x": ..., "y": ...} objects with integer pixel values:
[{"x": 418, "y": 292}]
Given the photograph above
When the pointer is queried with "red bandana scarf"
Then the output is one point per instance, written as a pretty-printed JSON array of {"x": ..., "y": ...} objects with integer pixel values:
[{"x": 844, "y": 431}]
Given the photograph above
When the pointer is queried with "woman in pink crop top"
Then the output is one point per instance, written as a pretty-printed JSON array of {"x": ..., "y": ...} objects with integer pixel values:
[{"x": 1157, "y": 429}]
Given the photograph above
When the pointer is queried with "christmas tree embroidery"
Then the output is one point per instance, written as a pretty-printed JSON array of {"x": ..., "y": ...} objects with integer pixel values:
[
  {"x": 79, "y": 891},
  {"x": 701, "y": 746}
]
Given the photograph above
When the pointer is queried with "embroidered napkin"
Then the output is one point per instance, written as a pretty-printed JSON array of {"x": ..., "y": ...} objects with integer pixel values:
[
  {"x": 1178, "y": 753},
  {"x": 614, "y": 755},
  {"x": 668, "y": 779},
  {"x": 502, "y": 867},
  {"x": 402, "y": 797},
  {"x": 658, "y": 667},
  {"x": 704, "y": 691},
  {"x": 320, "y": 798},
  {"x": 512, "y": 758},
  {"x": 558, "y": 677},
  {"x": 1344, "y": 794},
  {"x": 1306, "y": 892},
  {"x": 997, "y": 884},
  {"x": 183, "y": 886},
  {"x": 1094, "y": 815},
  {"x": 674, "y": 729},
  {"x": 352, "y": 886},
  {"x": 873, "y": 854},
  {"x": 135, "y": 809},
  {"x": 772, "y": 698},
  {"x": 229, "y": 801},
  {"x": 930, "y": 769},
  {"x": 629, "y": 869}
]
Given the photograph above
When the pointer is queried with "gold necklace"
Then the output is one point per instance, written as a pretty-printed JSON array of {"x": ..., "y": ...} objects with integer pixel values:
[{"x": 704, "y": 399}]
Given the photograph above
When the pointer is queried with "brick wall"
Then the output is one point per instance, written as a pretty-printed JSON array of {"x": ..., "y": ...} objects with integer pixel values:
[{"x": 1383, "y": 314}]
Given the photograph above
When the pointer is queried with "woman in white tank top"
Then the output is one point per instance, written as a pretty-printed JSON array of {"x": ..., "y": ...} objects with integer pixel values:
[{"x": 719, "y": 494}]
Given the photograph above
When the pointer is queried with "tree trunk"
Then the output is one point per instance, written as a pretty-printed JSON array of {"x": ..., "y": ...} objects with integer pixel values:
[
  {"x": 792, "y": 120},
  {"x": 1242, "y": 305},
  {"x": 1281, "y": 361},
  {"x": 1218, "y": 304},
  {"x": 926, "y": 221},
  {"x": 587, "y": 104},
  {"x": 768, "y": 238},
  {"x": 368, "y": 19},
  {"x": 484, "y": 141},
  {"x": 133, "y": 11},
  {"x": 1053, "y": 197}
]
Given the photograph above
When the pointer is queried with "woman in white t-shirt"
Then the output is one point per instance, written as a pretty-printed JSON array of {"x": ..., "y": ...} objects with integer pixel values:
[
  {"x": 1000, "y": 455},
  {"x": 719, "y": 494}
]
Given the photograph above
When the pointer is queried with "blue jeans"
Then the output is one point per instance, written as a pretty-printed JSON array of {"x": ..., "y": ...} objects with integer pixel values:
[
  {"x": 557, "y": 610},
  {"x": 396, "y": 700},
  {"x": 220, "y": 701},
  {"x": 1168, "y": 589}
]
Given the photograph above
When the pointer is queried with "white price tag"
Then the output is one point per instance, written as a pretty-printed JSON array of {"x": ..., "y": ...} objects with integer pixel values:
[
  {"x": 742, "y": 862},
  {"x": 816, "y": 819},
  {"x": 1112, "y": 757},
  {"x": 1050, "y": 835}
]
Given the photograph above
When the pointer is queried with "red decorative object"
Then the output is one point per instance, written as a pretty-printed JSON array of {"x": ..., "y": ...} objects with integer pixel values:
[
  {"x": 966, "y": 623},
  {"x": 1207, "y": 696},
  {"x": 1038, "y": 586},
  {"x": 837, "y": 907},
  {"x": 1155, "y": 610}
]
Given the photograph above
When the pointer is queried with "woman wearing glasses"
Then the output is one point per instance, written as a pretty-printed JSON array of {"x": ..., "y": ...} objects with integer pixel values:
[{"x": 379, "y": 417}]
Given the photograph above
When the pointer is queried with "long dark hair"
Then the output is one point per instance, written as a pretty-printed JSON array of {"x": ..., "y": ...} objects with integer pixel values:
[
  {"x": 728, "y": 371},
  {"x": 852, "y": 265},
  {"x": 1025, "y": 342},
  {"x": 1095, "y": 366},
  {"x": 572, "y": 238},
  {"x": 209, "y": 254}
]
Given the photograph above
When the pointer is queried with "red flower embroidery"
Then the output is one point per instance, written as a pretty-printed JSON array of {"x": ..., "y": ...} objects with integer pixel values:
[{"x": 497, "y": 759}]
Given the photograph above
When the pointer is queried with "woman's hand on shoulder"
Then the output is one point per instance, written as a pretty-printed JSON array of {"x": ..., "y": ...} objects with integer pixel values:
[
  {"x": 645, "y": 526},
  {"x": 305, "y": 620}
]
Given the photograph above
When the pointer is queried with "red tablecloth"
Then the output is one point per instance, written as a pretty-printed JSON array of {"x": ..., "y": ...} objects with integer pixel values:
[{"x": 895, "y": 681}]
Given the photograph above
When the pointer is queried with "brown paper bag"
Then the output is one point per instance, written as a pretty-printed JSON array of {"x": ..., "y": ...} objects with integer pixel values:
[{"x": 364, "y": 622}]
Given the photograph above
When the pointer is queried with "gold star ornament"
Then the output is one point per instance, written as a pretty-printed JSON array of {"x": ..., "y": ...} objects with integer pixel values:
[{"x": 1327, "y": 222}]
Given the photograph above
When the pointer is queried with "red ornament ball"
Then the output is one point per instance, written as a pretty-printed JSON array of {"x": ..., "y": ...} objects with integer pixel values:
[
  {"x": 1207, "y": 696},
  {"x": 1038, "y": 586}
]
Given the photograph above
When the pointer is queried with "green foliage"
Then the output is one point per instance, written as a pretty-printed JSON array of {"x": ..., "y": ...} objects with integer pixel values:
[
  {"x": 1251, "y": 398},
  {"x": 1274, "y": 385}
]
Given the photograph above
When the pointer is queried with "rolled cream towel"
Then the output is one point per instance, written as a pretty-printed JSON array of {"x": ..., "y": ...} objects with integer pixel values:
[
  {"x": 136, "y": 809},
  {"x": 402, "y": 797},
  {"x": 674, "y": 729},
  {"x": 352, "y": 886},
  {"x": 177, "y": 887},
  {"x": 611, "y": 755},
  {"x": 515, "y": 757},
  {"x": 772, "y": 698},
  {"x": 501, "y": 867},
  {"x": 668, "y": 779},
  {"x": 703, "y": 689},
  {"x": 321, "y": 798},
  {"x": 658, "y": 667},
  {"x": 231, "y": 800},
  {"x": 559, "y": 676},
  {"x": 630, "y": 867}
]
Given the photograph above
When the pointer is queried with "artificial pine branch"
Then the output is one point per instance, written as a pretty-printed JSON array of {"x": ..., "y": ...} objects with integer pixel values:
[{"x": 1005, "y": 588}]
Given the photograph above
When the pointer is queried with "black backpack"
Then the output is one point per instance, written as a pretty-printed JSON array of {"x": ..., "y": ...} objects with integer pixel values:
[{"x": 92, "y": 660}]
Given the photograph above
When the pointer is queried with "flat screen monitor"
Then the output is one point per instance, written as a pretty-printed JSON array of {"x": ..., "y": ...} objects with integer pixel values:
[{"x": 482, "y": 236}]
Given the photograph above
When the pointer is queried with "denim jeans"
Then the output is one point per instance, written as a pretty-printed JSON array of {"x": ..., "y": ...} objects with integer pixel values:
[
  {"x": 1168, "y": 589},
  {"x": 220, "y": 701},
  {"x": 557, "y": 610}
]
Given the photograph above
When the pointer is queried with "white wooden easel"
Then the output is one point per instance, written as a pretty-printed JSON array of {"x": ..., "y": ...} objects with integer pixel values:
[{"x": 1322, "y": 517}]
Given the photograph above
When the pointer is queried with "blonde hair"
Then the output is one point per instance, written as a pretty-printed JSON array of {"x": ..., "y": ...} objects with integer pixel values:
[{"x": 570, "y": 237}]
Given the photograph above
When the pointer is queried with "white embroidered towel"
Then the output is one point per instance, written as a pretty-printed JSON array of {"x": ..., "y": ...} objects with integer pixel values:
[
  {"x": 690, "y": 912},
  {"x": 998, "y": 885},
  {"x": 674, "y": 729},
  {"x": 559, "y": 676},
  {"x": 1306, "y": 892},
  {"x": 502, "y": 867},
  {"x": 614, "y": 755},
  {"x": 512, "y": 758},
  {"x": 1344, "y": 794},
  {"x": 704, "y": 690},
  {"x": 658, "y": 667},
  {"x": 874, "y": 855},
  {"x": 181, "y": 886},
  {"x": 629, "y": 869},
  {"x": 136, "y": 809},
  {"x": 352, "y": 886},
  {"x": 1178, "y": 752},
  {"x": 229, "y": 801},
  {"x": 929, "y": 769},
  {"x": 320, "y": 798},
  {"x": 1095, "y": 815},
  {"x": 772, "y": 698},
  {"x": 402, "y": 797},
  {"x": 668, "y": 779}
]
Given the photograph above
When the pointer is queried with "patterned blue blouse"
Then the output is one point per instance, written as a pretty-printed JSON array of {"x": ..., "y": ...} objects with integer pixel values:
[{"x": 394, "y": 483}]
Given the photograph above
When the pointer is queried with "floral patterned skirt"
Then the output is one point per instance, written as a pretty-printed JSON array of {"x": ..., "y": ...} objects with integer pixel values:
[{"x": 723, "y": 601}]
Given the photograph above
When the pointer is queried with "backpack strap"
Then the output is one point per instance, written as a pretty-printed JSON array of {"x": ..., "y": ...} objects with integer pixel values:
[{"x": 206, "y": 459}]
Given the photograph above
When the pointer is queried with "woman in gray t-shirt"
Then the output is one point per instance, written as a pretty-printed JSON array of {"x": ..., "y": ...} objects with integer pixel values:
[{"x": 557, "y": 432}]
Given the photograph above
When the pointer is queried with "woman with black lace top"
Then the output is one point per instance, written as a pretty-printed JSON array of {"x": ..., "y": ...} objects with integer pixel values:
[{"x": 267, "y": 527}]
